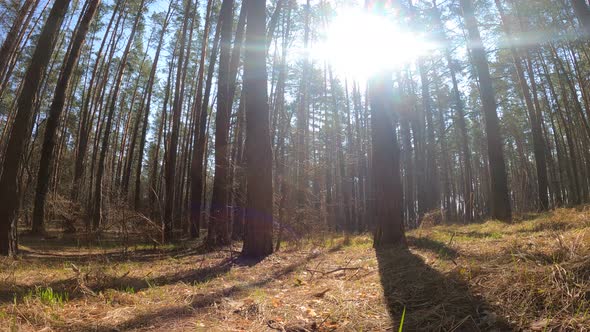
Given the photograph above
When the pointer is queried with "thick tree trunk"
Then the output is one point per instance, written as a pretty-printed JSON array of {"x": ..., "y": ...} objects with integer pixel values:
[
  {"x": 238, "y": 180},
  {"x": 385, "y": 169},
  {"x": 20, "y": 133},
  {"x": 499, "y": 196},
  {"x": 259, "y": 202}
]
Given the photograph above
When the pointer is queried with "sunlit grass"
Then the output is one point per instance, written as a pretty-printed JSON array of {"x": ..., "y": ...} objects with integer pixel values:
[{"x": 46, "y": 295}]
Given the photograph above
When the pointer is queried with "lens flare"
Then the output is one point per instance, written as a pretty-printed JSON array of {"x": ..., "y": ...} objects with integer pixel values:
[{"x": 359, "y": 44}]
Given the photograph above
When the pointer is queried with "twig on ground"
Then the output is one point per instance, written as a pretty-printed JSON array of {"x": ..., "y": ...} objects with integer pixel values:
[{"x": 335, "y": 270}]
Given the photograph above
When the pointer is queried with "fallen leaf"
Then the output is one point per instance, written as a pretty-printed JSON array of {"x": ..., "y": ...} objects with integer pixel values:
[{"x": 276, "y": 303}]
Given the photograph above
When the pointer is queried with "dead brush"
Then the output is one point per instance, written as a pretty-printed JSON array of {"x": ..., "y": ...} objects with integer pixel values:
[
  {"x": 62, "y": 209},
  {"x": 573, "y": 247},
  {"x": 431, "y": 219},
  {"x": 93, "y": 279},
  {"x": 8, "y": 267},
  {"x": 130, "y": 227}
]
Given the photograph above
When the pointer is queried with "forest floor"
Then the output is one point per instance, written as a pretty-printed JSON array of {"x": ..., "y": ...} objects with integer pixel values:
[{"x": 533, "y": 275}]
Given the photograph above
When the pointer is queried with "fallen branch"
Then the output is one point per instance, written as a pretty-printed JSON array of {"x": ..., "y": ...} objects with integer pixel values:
[
  {"x": 322, "y": 293},
  {"x": 334, "y": 270}
]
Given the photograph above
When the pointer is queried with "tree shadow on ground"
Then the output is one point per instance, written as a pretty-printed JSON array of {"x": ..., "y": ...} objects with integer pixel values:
[
  {"x": 433, "y": 301},
  {"x": 67, "y": 248},
  {"x": 56, "y": 240},
  {"x": 197, "y": 301},
  {"x": 437, "y": 247},
  {"x": 85, "y": 284},
  {"x": 49, "y": 259}
]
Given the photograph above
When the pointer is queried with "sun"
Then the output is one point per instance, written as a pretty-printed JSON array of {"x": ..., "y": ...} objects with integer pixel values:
[{"x": 359, "y": 44}]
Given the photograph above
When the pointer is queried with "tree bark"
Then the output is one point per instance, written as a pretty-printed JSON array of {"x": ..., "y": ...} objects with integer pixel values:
[
  {"x": 55, "y": 111},
  {"x": 259, "y": 201},
  {"x": 200, "y": 109},
  {"x": 170, "y": 165},
  {"x": 385, "y": 171},
  {"x": 220, "y": 217},
  {"x": 499, "y": 197},
  {"x": 20, "y": 133}
]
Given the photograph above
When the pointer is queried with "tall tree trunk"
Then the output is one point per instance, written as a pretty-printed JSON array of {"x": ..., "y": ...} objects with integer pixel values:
[
  {"x": 499, "y": 197},
  {"x": 468, "y": 192},
  {"x": 302, "y": 126},
  {"x": 154, "y": 178},
  {"x": 385, "y": 169},
  {"x": 345, "y": 191},
  {"x": 538, "y": 144},
  {"x": 97, "y": 210},
  {"x": 55, "y": 111},
  {"x": 430, "y": 179},
  {"x": 12, "y": 37},
  {"x": 200, "y": 109},
  {"x": 126, "y": 159},
  {"x": 220, "y": 217},
  {"x": 259, "y": 201},
  {"x": 85, "y": 118},
  {"x": 170, "y": 165},
  {"x": 20, "y": 133},
  {"x": 146, "y": 115},
  {"x": 238, "y": 181}
]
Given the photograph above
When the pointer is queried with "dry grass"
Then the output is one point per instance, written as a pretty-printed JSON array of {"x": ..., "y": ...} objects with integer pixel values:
[
  {"x": 535, "y": 273},
  {"x": 319, "y": 288},
  {"x": 532, "y": 275}
]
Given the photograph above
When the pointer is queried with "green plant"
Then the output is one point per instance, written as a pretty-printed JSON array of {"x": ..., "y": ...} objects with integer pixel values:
[
  {"x": 401, "y": 323},
  {"x": 47, "y": 296}
]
